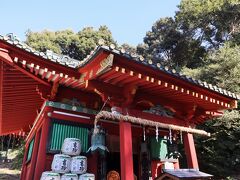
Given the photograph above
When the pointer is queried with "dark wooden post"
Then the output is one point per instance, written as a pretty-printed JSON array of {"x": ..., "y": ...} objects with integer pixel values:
[
  {"x": 126, "y": 151},
  {"x": 190, "y": 151}
]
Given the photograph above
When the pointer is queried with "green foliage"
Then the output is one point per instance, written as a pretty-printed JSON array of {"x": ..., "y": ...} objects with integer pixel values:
[
  {"x": 222, "y": 68},
  {"x": 220, "y": 154},
  {"x": 17, "y": 163},
  {"x": 198, "y": 27},
  {"x": 76, "y": 45},
  {"x": 168, "y": 44},
  {"x": 212, "y": 22},
  {"x": 128, "y": 48}
]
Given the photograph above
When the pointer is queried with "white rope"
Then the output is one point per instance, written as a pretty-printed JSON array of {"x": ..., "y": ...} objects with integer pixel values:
[
  {"x": 145, "y": 122},
  {"x": 95, "y": 130}
]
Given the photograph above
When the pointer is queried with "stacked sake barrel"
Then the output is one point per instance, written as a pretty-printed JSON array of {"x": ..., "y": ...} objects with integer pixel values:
[{"x": 69, "y": 165}]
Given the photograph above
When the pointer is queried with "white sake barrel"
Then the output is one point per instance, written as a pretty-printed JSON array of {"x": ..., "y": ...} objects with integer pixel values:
[
  {"x": 69, "y": 176},
  {"x": 61, "y": 163},
  {"x": 79, "y": 164},
  {"x": 87, "y": 176},
  {"x": 47, "y": 175},
  {"x": 71, "y": 146}
]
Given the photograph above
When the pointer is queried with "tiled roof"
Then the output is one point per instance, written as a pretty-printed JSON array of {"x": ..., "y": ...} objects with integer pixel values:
[
  {"x": 74, "y": 63},
  {"x": 49, "y": 55},
  {"x": 158, "y": 66}
]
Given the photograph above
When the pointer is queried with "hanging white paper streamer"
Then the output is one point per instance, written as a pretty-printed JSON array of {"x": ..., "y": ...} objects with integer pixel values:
[
  {"x": 181, "y": 137},
  {"x": 170, "y": 136},
  {"x": 144, "y": 134},
  {"x": 157, "y": 133}
]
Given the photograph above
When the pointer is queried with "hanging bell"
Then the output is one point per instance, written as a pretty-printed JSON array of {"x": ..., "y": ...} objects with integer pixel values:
[{"x": 98, "y": 140}]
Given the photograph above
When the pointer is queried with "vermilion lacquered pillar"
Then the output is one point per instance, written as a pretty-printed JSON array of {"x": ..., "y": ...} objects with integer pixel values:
[
  {"x": 190, "y": 151},
  {"x": 126, "y": 151},
  {"x": 41, "y": 158},
  {"x": 34, "y": 155}
]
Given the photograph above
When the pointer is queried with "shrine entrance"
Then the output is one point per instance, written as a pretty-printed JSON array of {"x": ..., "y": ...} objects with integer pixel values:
[
  {"x": 113, "y": 162},
  {"x": 113, "y": 159}
]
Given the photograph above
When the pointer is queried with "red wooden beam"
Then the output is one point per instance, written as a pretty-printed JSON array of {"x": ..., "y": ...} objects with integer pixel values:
[
  {"x": 73, "y": 83},
  {"x": 34, "y": 154},
  {"x": 138, "y": 67},
  {"x": 70, "y": 81},
  {"x": 64, "y": 79},
  {"x": 19, "y": 91},
  {"x": 16, "y": 75},
  {"x": 41, "y": 156},
  {"x": 23, "y": 117},
  {"x": 190, "y": 151},
  {"x": 117, "y": 79},
  {"x": 18, "y": 96},
  {"x": 156, "y": 99},
  {"x": 126, "y": 151},
  {"x": 109, "y": 75},
  {"x": 20, "y": 109},
  {"x": 19, "y": 87},
  {"x": 32, "y": 58},
  {"x": 157, "y": 118},
  {"x": 134, "y": 79},
  {"x": 45, "y": 71},
  {"x": 73, "y": 118},
  {"x": 51, "y": 76},
  {"x": 31, "y": 67},
  {"x": 23, "y": 101},
  {"x": 23, "y": 105},
  {"x": 1, "y": 94},
  {"x": 7, "y": 59},
  {"x": 56, "y": 78}
]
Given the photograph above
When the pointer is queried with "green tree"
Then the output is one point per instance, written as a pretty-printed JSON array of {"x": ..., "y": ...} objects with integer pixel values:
[
  {"x": 76, "y": 45},
  {"x": 128, "y": 48},
  {"x": 198, "y": 27},
  {"x": 168, "y": 44},
  {"x": 220, "y": 154},
  {"x": 212, "y": 22},
  {"x": 222, "y": 68}
]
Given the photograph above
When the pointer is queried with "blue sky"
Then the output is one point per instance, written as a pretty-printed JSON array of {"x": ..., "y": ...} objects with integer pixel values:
[{"x": 128, "y": 20}]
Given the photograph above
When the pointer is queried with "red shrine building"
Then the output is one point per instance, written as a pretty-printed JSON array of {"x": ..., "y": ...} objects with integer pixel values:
[{"x": 144, "y": 109}]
